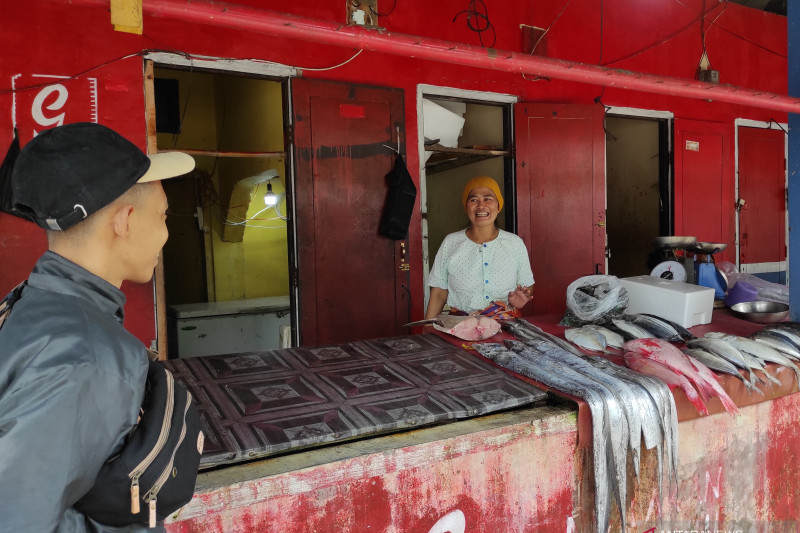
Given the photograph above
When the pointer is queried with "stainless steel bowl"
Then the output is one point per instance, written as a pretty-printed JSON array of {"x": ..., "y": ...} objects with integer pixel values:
[
  {"x": 708, "y": 247},
  {"x": 678, "y": 243},
  {"x": 761, "y": 312}
]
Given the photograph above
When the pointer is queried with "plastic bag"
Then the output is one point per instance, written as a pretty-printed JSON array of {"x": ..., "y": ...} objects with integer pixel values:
[
  {"x": 767, "y": 291},
  {"x": 593, "y": 299}
]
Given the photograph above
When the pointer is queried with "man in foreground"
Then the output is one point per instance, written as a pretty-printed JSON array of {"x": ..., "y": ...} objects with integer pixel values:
[{"x": 72, "y": 379}]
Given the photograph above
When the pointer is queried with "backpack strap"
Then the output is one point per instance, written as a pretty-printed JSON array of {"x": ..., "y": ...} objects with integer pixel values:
[{"x": 9, "y": 301}]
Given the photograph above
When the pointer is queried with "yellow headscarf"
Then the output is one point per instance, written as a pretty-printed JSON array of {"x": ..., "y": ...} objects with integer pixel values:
[{"x": 482, "y": 181}]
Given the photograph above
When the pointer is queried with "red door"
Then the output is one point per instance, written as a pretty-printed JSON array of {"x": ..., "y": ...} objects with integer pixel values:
[
  {"x": 762, "y": 186},
  {"x": 560, "y": 158},
  {"x": 704, "y": 204},
  {"x": 351, "y": 281}
]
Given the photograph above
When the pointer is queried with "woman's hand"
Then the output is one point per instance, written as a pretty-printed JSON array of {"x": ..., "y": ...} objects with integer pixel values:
[{"x": 520, "y": 296}]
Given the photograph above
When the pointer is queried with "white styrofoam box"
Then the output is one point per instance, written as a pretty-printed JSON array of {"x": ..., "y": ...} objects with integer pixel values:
[{"x": 683, "y": 303}]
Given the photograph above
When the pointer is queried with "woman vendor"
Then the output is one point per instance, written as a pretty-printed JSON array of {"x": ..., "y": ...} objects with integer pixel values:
[{"x": 482, "y": 269}]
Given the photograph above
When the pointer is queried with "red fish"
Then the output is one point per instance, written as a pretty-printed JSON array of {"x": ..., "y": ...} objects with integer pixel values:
[
  {"x": 667, "y": 354},
  {"x": 696, "y": 372},
  {"x": 643, "y": 364},
  {"x": 715, "y": 388}
]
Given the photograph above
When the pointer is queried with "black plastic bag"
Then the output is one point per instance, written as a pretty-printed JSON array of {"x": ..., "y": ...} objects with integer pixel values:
[{"x": 400, "y": 201}]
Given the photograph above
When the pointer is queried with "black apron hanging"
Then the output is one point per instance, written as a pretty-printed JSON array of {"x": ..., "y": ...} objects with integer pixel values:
[{"x": 400, "y": 201}]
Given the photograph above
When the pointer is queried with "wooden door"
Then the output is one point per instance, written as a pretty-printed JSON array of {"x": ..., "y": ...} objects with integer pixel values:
[
  {"x": 560, "y": 158},
  {"x": 762, "y": 186},
  {"x": 704, "y": 204},
  {"x": 352, "y": 282}
]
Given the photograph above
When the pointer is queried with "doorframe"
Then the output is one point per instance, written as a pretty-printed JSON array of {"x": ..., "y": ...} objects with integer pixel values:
[
  {"x": 267, "y": 69},
  {"x": 771, "y": 125},
  {"x": 424, "y": 90},
  {"x": 668, "y": 117}
]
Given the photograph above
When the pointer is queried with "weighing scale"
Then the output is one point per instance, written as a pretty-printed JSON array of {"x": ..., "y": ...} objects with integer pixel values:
[
  {"x": 685, "y": 259},
  {"x": 706, "y": 272},
  {"x": 674, "y": 263}
]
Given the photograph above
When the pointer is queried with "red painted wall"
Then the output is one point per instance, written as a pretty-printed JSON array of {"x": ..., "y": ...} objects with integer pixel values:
[{"x": 747, "y": 46}]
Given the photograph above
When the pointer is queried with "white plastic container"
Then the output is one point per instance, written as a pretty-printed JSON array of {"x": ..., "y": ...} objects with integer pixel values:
[{"x": 683, "y": 303}]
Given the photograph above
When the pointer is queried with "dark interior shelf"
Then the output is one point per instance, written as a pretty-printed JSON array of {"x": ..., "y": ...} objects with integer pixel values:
[{"x": 446, "y": 158}]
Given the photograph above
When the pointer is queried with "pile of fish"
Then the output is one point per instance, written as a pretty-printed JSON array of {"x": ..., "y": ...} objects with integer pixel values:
[
  {"x": 716, "y": 351},
  {"x": 627, "y": 408},
  {"x": 613, "y": 333},
  {"x": 634, "y": 404}
]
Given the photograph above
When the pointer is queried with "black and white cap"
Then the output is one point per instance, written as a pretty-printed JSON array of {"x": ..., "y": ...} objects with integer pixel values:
[{"x": 65, "y": 174}]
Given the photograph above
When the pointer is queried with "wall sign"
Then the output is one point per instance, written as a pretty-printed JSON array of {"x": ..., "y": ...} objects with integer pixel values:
[{"x": 43, "y": 101}]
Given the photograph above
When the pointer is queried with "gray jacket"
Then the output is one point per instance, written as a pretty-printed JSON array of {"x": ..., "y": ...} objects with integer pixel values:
[{"x": 71, "y": 384}]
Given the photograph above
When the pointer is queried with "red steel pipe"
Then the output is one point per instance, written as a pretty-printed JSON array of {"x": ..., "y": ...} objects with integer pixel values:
[{"x": 329, "y": 33}]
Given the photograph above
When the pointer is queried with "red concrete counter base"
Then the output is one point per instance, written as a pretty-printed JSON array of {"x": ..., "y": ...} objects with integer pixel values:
[{"x": 522, "y": 471}]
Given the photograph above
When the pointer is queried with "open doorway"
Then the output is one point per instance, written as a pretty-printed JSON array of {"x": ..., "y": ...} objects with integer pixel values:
[
  {"x": 466, "y": 134},
  {"x": 638, "y": 192},
  {"x": 226, "y": 263}
]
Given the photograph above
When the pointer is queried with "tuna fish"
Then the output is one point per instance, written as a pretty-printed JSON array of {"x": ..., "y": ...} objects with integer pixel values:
[
  {"x": 629, "y": 330},
  {"x": 777, "y": 341},
  {"x": 685, "y": 334},
  {"x": 656, "y": 326}
]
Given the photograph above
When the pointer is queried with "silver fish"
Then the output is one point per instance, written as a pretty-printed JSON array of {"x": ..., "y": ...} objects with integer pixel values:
[
  {"x": 718, "y": 364},
  {"x": 682, "y": 331},
  {"x": 763, "y": 352},
  {"x": 613, "y": 339},
  {"x": 720, "y": 348},
  {"x": 631, "y": 329},
  {"x": 522, "y": 327},
  {"x": 756, "y": 363},
  {"x": 788, "y": 335},
  {"x": 564, "y": 379},
  {"x": 667, "y": 419},
  {"x": 586, "y": 338},
  {"x": 656, "y": 326},
  {"x": 630, "y": 425},
  {"x": 777, "y": 341}
]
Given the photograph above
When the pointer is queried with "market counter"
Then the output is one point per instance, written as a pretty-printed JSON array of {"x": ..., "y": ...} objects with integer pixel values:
[{"x": 523, "y": 470}]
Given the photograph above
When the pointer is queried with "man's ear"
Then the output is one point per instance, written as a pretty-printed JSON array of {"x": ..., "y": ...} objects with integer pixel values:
[{"x": 120, "y": 219}]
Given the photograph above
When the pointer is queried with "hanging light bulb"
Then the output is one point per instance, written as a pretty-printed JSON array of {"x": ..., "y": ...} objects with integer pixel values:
[{"x": 270, "y": 198}]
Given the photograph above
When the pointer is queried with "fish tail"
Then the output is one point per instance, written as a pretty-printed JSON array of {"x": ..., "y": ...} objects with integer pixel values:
[{"x": 694, "y": 398}]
